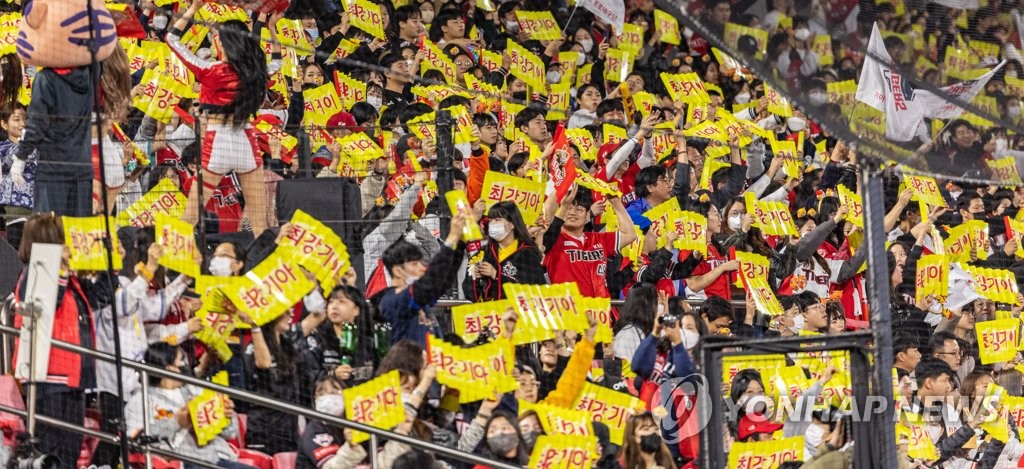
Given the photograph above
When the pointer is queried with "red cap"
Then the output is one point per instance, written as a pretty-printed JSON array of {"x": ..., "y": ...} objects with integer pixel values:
[
  {"x": 342, "y": 119},
  {"x": 321, "y": 160},
  {"x": 756, "y": 423},
  {"x": 604, "y": 151}
]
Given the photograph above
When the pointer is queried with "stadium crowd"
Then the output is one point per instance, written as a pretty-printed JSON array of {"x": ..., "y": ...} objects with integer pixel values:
[{"x": 617, "y": 156}]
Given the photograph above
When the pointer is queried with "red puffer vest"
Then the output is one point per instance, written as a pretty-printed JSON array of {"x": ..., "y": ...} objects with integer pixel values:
[{"x": 65, "y": 367}]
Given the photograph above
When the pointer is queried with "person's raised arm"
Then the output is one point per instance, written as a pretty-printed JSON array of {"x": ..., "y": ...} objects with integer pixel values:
[
  {"x": 893, "y": 217},
  {"x": 444, "y": 267},
  {"x": 809, "y": 244},
  {"x": 193, "y": 62},
  {"x": 627, "y": 234},
  {"x": 701, "y": 282}
]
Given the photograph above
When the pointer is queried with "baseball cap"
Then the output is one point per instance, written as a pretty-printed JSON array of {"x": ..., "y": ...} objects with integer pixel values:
[{"x": 756, "y": 423}]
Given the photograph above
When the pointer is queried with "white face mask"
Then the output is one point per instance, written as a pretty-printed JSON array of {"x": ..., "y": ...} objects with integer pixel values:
[
  {"x": 1013, "y": 111},
  {"x": 802, "y": 34},
  {"x": 736, "y": 222},
  {"x": 580, "y": 59},
  {"x": 512, "y": 26},
  {"x": 742, "y": 98},
  {"x": 375, "y": 101},
  {"x": 588, "y": 45},
  {"x": 1001, "y": 144},
  {"x": 159, "y": 22},
  {"x": 796, "y": 124},
  {"x": 313, "y": 33},
  {"x": 220, "y": 267},
  {"x": 813, "y": 435},
  {"x": 690, "y": 339},
  {"x": 496, "y": 230},
  {"x": 817, "y": 98},
  {"x": 554, "y": 76},
  {"x": 798, "y": 323},
  {"x": 427, "y": 16},
  {"x": 331, "y": 404}
]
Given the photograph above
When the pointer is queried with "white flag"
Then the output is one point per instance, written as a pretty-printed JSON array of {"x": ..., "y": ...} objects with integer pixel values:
[
  {"x": 959, "y": 4},
  {"x": 871, "y": 86},
  {"x": 936, "y": 107},
  {"x": 903, "y": 116},
  {"x": 612, "y": 12}
]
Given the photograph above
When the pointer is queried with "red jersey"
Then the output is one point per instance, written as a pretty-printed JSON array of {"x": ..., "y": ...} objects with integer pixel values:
[
  {"x": 582, "y": 260},
  {"x": 625, "y": 185},
  {"x": 720, "y": 286}
]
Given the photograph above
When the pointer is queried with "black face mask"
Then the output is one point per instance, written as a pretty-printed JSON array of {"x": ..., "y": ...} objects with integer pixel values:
[
  {"x": 650, "y": 444},
  {"x": 978, "y": 215}
]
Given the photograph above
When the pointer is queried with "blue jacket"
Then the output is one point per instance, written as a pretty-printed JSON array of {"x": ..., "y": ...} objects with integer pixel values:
[
  {"x": 401, "y": 308},
  {"x": 636, "y": 210},
  {"x": 644, "y": 360}
]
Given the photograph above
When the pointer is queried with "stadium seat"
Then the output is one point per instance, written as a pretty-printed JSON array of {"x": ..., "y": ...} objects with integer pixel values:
[
  {"x": 138, "y": 460},
  {"x": 285, "y": 460},
  {"x": 239, "y": 441},
  {"x": 255, "y": 458}
]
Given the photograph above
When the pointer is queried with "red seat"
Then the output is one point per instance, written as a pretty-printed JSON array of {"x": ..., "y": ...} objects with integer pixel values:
[
  {"x": 239, "y": 441},
  {"x": 285, "y": 460},
  {"x": 138, "y": 461},
  {"x": 255, "y": 458}
]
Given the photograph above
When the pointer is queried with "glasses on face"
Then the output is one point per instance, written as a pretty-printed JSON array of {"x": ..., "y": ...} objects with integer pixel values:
[
  {"x": 956, "y": 353},
  {"x": 576, "y": 209},
  {"x": 464, "y": 64}
]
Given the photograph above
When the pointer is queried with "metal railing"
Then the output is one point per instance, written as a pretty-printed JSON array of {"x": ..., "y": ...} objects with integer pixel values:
[{"x": 146, "y": 370}]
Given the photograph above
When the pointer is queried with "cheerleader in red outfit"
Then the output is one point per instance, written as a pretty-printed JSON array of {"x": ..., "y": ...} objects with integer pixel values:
[{"x": 232, "y": 91}]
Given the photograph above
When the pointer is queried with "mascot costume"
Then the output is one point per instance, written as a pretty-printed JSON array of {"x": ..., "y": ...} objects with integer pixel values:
[{"x": 56, "y": 35}]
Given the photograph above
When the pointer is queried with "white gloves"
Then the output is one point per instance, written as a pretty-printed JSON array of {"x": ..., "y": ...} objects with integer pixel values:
[{"x": 18, "y": 172}]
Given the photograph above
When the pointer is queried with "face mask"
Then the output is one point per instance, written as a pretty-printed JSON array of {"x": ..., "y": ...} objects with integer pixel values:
[
  {"x": 531, "y": 439},
  {"x": 817, "y": 98},
  {"x": 375, "y": 101},
  {"x": 796, "y": 124},
  {"x": 588, "y": 45},
  {"x": 503, "y": 443},
  {"x": 742, "y": 98},
  {"x": 331, "y": 404},
  {"x": 978, "y": 215},
  {"x": 650, "y": 444},
  {"x": 220, "y": 267},
  {"x": 512, "y": 27},
  {"x": 159, "y": 22},
  {"x": 496, "y": 230},
  {"x": 1013, "y": 111},
  {"x": 736, "y": 222},
  {"x": 1001, "y": 144},
  {"x": 802, "y": 34},
  {"x": 798, "y": 323},
  {"x": 814, "y": 435},
  {"x": 690, "y": 339},
  {"x": 554, "y": 76},
  {"x": 580, "y": 59},
  {"x": 313, "y": 33},
  {"x": 427, "y": 16}
]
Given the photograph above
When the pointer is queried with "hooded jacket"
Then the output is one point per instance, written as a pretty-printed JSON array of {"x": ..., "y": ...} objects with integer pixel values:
[
  {"x": 522, "y": 266},
  {"x": 58, "y": 124}
]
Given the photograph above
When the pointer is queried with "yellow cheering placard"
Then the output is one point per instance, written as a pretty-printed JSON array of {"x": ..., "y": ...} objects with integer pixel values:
[
  {"x": 209, "y": 416},
  {"x": 601, "y": 310},
  {"x": 632, "y": 38},
  {"x": 316, "y": 247},
  {"x": 964, "y": 237},
  {"x": 564, "y": 452},
  {"x": 85, "y": 237},
  {"x": 686, "y": 87},
  {"x": 668, "y": 26},
  {"x": 538, "y": 25},
  {"x": 609, "y": 407},
  {"x": 777, "y": 103},
  {"x": 9, "y": 33},
  {"x": 436, "y": 59},
  {"x": 321, "y": 103},
  {"x": 349, "y": 90},
  {"x": 178, "y": 239},
  {"x": 359, "y": 147},
  {"x": 786, "y": 150},
  {"x": 473, "y": 319},
  {"x": 925, "y": 190},
  {"x": 1004, "y": 169},
  {"x": 457, "y": 202},
  {"x": 1015, "y": 230},
  {"x": 766, "y": 454},
  {"x": 618, "y": 65},
  {"x": 932, "y": 277},
  {"x": 913, "y": 430},
  {"x": 753, "y": 272},
  {"x": 611, "y": 133},
  {"x": 478, "y": 373},
  {"x": 377, "y": 403},
  {"x": 998, "y": 285},
  {"x": 271, "y": 288},
  {"x": 528, "y": 195},
  {"x": 548, "y": 307},
  {"x": 525, "y": 65},
  {"x": 160, "y": 93},
  {"x": 998, "y": 340},
  {"x": 597, "y": 185},
  {"x": 692, "y": 230},
  {"x": 291, "y": 35},
  {"x": 218, "y": 322},
  {"x": 853, "y": 201},
  {"x": 773, "y": 218},
  {"x": 219, "y": 13},
  {"x": 560, "y": 420},
  {"x": 366, "y": 16},
  {"x": 423, "y": 126},
  {"x": 733, "y": 32},
  {"x": 164, "y": 199},
  {"x": 345, "y": 48},
  {"x": 661, "y": 217},
  {"x": 583, "y": 140}
]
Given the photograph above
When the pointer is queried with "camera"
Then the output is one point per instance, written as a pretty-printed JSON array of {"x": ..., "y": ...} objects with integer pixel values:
[{"x": 669, "y": 320}]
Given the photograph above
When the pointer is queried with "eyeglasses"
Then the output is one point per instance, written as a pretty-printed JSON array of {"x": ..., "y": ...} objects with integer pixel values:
[
  {"x": 576, "y": 208},
  {"x": 464, "y": 64},
  {"x": 956, "y": 353}
]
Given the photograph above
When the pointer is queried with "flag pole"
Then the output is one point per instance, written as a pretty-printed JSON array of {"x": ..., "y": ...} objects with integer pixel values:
[{"x": 571, "y": 14}]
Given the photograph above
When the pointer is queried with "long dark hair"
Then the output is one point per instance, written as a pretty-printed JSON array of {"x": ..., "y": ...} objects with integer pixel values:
[
  {"x": 246, "y": 57},
  {"x": 10, "y": 87},
  {"x": 509, "y": 212},
  {"x": 281, "y": 351},
  {"x": 639, "y": 309}
]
